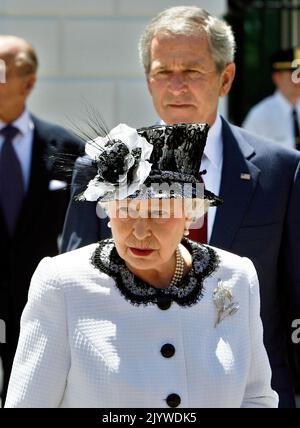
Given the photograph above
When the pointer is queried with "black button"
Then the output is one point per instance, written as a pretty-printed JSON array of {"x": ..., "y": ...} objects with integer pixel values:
[
  {"x": 173, "y": 400},
  {"x": 164, "y": 302},
  {"x": 167, "y": 350}
]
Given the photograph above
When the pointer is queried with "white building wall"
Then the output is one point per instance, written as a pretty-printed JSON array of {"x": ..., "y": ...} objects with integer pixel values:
[{"x": 88, "y": 55}]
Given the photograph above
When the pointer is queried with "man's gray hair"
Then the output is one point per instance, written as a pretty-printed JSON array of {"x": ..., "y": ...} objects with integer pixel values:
[{"x": 190, "y": 20}]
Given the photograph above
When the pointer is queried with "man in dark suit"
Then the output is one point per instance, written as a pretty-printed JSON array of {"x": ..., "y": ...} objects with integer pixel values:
[
  {"x": 33, "y": 194},
  {"x": 188, "y": 57}
]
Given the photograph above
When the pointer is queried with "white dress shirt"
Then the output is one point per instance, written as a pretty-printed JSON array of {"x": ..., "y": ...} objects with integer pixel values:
[
  {"x": 272, "y": 118},
  {"x": 212, "y": 161},
  {"x": 22, "y": 143}
]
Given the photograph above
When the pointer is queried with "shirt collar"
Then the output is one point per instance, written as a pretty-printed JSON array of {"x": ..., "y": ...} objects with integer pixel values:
[
  {"x": 24, "y": 123},
  {"x": 214, "y": 148},
  {"x": 285, "y": 104}
]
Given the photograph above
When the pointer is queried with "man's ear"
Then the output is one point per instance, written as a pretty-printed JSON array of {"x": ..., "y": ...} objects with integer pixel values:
[
  {"x": 227, "y": 78},
  {"x": 29, "y": 83},
  {"x": 276, "y": 77}
]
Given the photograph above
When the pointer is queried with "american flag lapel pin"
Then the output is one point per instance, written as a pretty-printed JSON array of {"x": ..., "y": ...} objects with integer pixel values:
[{"x": 245, "y": 176}]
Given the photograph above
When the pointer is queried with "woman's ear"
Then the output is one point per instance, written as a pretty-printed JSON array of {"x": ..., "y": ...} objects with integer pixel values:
[{"x": 187, "y": 224}]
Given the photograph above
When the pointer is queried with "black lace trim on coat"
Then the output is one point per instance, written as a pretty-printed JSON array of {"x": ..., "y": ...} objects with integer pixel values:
[{"x": 136, "y": 291}]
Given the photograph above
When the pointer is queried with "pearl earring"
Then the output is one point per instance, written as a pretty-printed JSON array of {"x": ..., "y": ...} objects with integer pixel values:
[
  {"x": 109, "y": 225},
  {"x": 186, "y": 229}
]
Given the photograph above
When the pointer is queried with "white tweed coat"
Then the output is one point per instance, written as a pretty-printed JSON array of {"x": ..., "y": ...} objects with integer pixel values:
[{"x": 82, "y": 344}]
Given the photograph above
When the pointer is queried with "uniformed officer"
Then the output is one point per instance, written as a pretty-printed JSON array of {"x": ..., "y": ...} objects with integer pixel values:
[{"x": 278, "y": 116}]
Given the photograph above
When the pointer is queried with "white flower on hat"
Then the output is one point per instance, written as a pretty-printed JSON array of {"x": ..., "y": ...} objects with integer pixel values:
[{"x": 122, "y": 162}]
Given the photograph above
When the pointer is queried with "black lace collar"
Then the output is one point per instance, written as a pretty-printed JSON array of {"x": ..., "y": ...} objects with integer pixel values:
[{"x": 187, "y": 293}]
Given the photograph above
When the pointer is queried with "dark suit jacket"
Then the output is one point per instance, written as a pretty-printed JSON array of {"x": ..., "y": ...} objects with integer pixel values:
[
  {"x": 260, "y": 219},
  {"x": 39, "y": 225}
]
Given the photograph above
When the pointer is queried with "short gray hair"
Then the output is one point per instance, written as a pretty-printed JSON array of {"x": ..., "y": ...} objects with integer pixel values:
[
  {"x": 190, "y": 20},
  {"x": 193, "y": 209}
]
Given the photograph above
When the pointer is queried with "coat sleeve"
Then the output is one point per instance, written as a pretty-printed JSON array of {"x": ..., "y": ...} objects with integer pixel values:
[
  {"x": 289, "y": 269},
  {"x": 258, "y": 391},
  {"x": 42, "y": 359},
  {"x": 82, "y": 227}
]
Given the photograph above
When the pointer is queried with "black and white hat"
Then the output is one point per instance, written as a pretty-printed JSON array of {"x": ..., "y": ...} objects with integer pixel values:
[{"x": 161, "y": 161}]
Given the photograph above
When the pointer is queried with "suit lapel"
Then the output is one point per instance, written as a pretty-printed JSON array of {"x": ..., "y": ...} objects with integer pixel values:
[
  {"x": 38, "y": 182},
  {"x": 235, "y": 191},
  {"x": 3, "y": 229}
]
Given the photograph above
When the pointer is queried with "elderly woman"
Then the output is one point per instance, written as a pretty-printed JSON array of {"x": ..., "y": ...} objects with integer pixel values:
[{"x": 148, "y": 318}]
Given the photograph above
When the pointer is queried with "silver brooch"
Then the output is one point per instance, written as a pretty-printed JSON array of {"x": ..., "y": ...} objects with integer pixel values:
[{"x": 222, "y": 297}]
